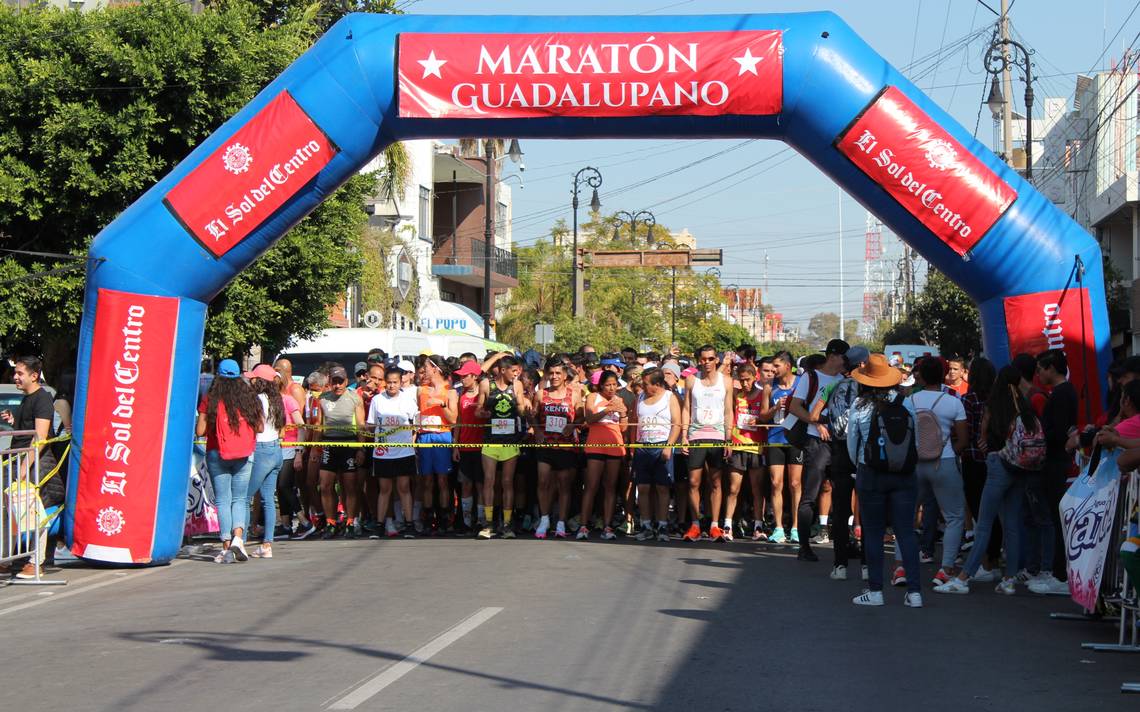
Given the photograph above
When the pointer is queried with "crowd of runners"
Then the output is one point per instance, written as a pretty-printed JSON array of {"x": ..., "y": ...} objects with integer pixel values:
[{"x": 842, "y": 448}]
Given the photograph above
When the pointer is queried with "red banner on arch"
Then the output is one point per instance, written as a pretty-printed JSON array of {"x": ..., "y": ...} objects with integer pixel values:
[
  {"x": 933, "y": 176},
  {"x": 474, "y": 76}
]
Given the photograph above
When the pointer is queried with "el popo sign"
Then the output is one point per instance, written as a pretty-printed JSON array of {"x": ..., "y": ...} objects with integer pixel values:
[{"x": 596, "y": 74}]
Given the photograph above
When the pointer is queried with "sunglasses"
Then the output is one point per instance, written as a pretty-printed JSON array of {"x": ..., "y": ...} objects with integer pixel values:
[{"x": 709, "y": 359}]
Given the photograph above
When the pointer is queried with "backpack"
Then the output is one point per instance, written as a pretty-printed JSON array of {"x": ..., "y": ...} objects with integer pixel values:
[
  {"x": 890, "y": 447},
  {"x": 930, "y": 441},
  {"x": 797, "y": 435},
  {"x": 231, "y": 445},
  {"x": 839, "y": 406},
  {"x": 1024, "y": 449}
]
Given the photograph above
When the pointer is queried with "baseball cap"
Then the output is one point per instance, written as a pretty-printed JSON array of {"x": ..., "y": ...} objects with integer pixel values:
[
  {"x": 691, "y": 370},
  {"x": 406, "y": 366},
  {"x": 857, "y": 355},
  {"x": 470, "y": 368},
  {"x": 337, "y": 372},
  {"x": 837, "y": 346},
  {"x": 613, "y": 362},
  {"x": 360, "y": 367},
  {"x": 229, "y": 369},
  {"x": 263, "y": 371},
  {"x": 377, "y": 357},
  {"x": 673, "y": 369}
]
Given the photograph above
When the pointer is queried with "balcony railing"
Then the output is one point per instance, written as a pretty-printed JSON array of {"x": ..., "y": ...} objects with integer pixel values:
[{"x": 472, "y": 252}]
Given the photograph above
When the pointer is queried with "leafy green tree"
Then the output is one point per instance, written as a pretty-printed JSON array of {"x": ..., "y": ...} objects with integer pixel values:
[
  {"x": 947, "y": 317},
  {"x": 624, "y": 307},
  {"x": 95, "y": 107}
]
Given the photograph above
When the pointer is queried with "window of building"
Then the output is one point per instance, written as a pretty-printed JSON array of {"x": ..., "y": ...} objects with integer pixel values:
[
  {"x": 424, "y": 225},
  {"x": 446, "y": 295}
]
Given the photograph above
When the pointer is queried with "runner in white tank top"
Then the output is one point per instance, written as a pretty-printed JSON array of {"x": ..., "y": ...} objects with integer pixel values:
[{"x": 708, "y": 406}]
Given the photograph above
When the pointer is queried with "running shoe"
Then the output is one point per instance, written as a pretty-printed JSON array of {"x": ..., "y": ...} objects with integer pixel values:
[
  {"x": 281, "y": 532},
  {"x": 985, "y": 575},
  {"x": 759, "y": 535},
  {"x": 794, "y": 537},
  {"x": 527, "y": 523},
  {"x": 329, "y": 532},
  {"x": 390, "y": 529},
  {"x": 264, "y": 551},
  {"x": 693, "y": 534},
  {"x": 807, "y": 555},
  {"x": 507, "y": 532},
  {"x": 237, "y": 548},
  {"x": 583, "y": 534},
  {"x": 608, "y": 534},
  {"x": 728, "y": 534},
  {"x": 484, "y": 533},
  {"x": 1007, "y": 586},
  {"x": 913, "y": 600},
  {"x": 409, "y": 531},
  {"x": 822, "y": 538},
  {"x": 1047, "y": 585},
  {"x": 869, "y": 598},
  {"x": 967, "y": 542},
  {"x": 560, "y": 530},
  {"x": 899, "y": 577},
  {"x": 350, "y": 532},
  {"x": 716, "y": 533},
  {"x": 941, "y": 577},
  {"x": 543, "y": 527},
  {"x": 662, "y": 534},
  {"x": 304, "y": 531},
  {"x": 646, "y": 534},
  {"x": 954, "y": 585},
  {"x": 778, "y": 536},
  {"x": 1024, "y": 577},
  {"x": 223, "y": 557},
  {"x": 925, "y": 558},
  {"x": 838, "y": 573}
]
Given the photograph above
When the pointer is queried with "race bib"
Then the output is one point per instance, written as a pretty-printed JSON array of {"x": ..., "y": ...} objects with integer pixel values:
[
  {"x": 502, "y": 426},
  {"x": 555, "y": 424},
  {"x": 746, "y": 421},
  {"x": 379, "y": 452},
  {"x": 706, "y": 415},
  {"x": 391, "y": 421},
  {"x": 431, "y": 420}
]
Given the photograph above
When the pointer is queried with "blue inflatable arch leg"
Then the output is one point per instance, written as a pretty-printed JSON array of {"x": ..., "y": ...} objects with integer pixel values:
[{"x": 806, "y": 79}]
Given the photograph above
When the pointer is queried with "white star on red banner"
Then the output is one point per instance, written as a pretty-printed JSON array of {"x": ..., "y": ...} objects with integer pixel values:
[
  {"x": 432, "y": 65},
  {"x": 747, "y": 62}
]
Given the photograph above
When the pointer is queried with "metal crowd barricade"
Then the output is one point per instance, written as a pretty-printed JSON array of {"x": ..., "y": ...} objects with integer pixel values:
[
  {"x": 1116, "y": 589},
  {"x": 23, "y": 520}
]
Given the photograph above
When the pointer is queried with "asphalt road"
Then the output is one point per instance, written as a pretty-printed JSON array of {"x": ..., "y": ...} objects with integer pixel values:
[{"x": 532, "y": 625}]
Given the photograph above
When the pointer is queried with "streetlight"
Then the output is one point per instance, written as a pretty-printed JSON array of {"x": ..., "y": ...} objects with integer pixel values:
[
  {"x": 514, "y": 152},
  {"x": 593, "y": 178},
  {"x": 643, "y": 216},
  {"x": 998, "y": 60}
]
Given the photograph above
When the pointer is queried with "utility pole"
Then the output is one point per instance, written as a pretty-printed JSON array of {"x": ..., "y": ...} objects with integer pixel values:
[
  {"x": 1006, "y": 86},
  {"x": 488, "y": 234},
  {"x": 841, "y": 314}
]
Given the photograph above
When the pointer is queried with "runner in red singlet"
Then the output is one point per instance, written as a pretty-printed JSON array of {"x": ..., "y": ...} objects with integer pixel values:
[{"x": 554, "y": 423}]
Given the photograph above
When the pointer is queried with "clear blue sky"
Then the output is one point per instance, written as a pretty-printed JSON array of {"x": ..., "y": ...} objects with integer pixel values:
[{"x": 785, "y": 203}]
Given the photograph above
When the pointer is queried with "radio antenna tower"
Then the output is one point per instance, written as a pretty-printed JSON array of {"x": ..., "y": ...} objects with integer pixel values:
[{"x": 873, "y": 278}]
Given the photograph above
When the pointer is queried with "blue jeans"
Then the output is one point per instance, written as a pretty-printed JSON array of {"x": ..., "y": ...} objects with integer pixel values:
[
  {"x": 230, "y": 479},
  {"x": 881, "y": 493},
  {"x": 943, "y": 479},
  {"x": 1001, "y": 499},
  {"x": 266, "y": 466}
]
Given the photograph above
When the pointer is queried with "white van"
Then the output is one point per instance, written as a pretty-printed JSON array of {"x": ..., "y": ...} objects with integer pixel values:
[{"x": 351, "y": 345}]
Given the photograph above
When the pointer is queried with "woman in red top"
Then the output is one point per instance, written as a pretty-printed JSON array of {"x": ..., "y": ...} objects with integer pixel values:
[
  {"x": 229, "y": 416},
  {"x": 438, "y": 405},
  {"x": 606, "y": 421},
  {"x": 469, "y": 434}
]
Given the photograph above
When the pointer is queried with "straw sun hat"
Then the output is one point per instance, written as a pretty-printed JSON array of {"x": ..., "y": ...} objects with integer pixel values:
[{"x": 877, "y": 373}]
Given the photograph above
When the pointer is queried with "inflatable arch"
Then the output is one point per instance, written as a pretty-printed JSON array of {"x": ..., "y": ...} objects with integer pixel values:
[{"x": 806, "y": 79}]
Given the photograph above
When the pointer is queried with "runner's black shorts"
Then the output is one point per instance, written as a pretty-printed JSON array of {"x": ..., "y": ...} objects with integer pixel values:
[
  {"x": 785, "y": 455},
  {"x": 339, "y": 459},
  {"x": 471, "y": 466},
  {"x": 699, "y": 456},
  {"x": 388, "y": 469},
  {"x": 746, "y": 461},
  {"x": 558, "y": 458}
]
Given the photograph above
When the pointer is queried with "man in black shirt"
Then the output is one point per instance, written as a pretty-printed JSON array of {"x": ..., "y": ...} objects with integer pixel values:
[
  {"x": 35, "y": 413},
  {"x": 1059, "y": 419}
]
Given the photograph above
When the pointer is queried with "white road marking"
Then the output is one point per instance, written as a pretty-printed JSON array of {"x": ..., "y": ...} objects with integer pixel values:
[
  {"x": 373, "y": 685},
  {"x": 116, "y": 577}
]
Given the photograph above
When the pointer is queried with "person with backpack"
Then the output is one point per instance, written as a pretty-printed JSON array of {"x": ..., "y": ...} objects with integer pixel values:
[
  {"x": 881, "y": 439},
  {"x": 229, "y": 417},
  {"x": 1015, "y": 442},
  {"x": 839, "y": 404},
  {"x": 940, "y": 422}
]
